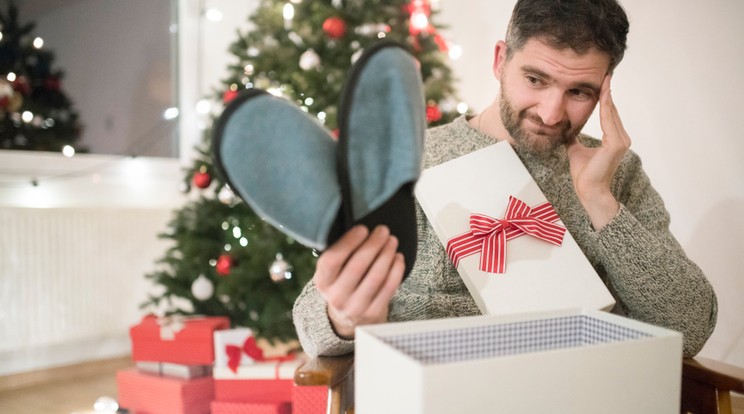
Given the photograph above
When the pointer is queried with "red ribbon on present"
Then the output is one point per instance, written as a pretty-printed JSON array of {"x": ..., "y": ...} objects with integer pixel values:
[
  {"x": 251, "y": 348},
  {"x": 489, "y": 235}
]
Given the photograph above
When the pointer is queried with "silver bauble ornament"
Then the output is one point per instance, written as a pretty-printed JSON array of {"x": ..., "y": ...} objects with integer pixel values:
[
  {"x": 309, "y": 60},
  {"x": 280, "y": 270},
  {"x": 226, "y": 195},
  {"x": 202, "y": 288}
]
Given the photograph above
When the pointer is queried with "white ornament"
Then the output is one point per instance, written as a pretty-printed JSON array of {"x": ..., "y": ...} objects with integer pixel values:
[
  {"x": 202, "y": 288},
  {"x": 280, "y": 270},
  {"x": 226, "y": 195},
  {"x": 309, "y": 60},
  {"x": 106, "y": 405}
]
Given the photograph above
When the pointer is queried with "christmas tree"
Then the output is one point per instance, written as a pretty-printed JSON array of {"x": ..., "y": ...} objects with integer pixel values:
[
  {"x": 227, "y": 261},
  {"x": 35, "y": 113}
]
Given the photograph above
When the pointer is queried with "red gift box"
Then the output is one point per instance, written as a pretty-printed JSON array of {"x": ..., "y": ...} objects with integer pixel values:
[
  {"x": 154, "y": 394},
  {"x": 261, "y": 382},
  {"x": 180, "y": 340},
  {"x": 223, "y": 407},
  {"x": 309, "y": 399}
]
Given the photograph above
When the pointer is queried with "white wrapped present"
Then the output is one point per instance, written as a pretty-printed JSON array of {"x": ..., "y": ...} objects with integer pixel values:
[{"x": 508, "y": 244}]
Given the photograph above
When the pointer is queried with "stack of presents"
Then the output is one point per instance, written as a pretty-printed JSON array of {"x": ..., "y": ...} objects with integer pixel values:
[{"x": 199, "y": 366}]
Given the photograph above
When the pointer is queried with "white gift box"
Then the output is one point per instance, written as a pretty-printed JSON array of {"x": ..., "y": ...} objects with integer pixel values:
[
  {"x": 539, "y": 276},
  {"x": 235, "y": 337},
  {"x": 568, "y": 361}
]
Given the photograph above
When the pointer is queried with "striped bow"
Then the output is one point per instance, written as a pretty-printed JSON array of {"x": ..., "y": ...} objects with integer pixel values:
[{"x": 489, "y": 235}]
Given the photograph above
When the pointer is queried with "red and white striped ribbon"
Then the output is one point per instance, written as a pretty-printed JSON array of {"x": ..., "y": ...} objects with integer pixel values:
[{"x": 489, "y": 235}]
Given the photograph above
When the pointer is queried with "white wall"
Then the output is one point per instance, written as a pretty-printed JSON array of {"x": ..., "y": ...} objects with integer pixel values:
[{"x": 680, "y": 100}]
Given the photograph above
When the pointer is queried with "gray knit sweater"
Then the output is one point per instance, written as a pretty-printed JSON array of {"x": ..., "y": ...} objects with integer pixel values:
[{"x": 635, "y": 254}]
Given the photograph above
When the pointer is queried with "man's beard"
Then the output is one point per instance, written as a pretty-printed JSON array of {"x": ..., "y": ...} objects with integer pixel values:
[{"x": 532, "y": 142}]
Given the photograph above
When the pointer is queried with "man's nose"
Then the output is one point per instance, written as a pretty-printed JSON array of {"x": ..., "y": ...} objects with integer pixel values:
[{"x": 552, "y": 108}]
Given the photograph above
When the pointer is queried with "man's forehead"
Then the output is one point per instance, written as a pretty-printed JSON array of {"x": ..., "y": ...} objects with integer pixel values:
[{"x": 536, "y": 53}]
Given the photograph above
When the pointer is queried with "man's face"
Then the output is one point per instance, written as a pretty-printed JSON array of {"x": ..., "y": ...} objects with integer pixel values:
[{"x": 548, "y": 94}]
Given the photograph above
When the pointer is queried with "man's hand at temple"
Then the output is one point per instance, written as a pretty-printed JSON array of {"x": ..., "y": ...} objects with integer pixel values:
[{"x": 592, "y": 169}]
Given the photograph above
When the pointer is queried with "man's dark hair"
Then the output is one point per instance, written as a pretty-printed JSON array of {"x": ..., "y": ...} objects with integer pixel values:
[{"x": 576, "y": 24}]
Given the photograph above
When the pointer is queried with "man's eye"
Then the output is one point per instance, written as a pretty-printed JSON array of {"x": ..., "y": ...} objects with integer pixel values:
[
  {"x": 580, "y": 93},
  {"x": 533, "y": 80}
]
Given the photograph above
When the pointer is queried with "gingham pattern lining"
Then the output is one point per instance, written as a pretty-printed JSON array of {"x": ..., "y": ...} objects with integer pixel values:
[{"x": 490, "y": 341}]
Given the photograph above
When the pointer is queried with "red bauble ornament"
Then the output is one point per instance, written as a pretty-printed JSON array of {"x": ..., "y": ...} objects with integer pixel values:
[
  {"x": 202, "y": 179},
  {"x": 229, "y": 95},
  {"x": 433, "y": 114},
  {"x": 334, "y": 27},
  {"x": 21, "y": 85},
  {"x": 53, "y": 83},
  {"x": 224, "y": 265}
]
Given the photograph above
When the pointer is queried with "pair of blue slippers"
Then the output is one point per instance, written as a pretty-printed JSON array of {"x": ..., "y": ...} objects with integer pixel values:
[{"x": 286, "y": 165}]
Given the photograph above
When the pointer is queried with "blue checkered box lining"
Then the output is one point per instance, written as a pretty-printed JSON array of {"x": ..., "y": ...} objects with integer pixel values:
[{"x": 464, "y": 344}]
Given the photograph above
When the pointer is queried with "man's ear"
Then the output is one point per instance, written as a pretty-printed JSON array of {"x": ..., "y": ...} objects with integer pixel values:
[{"x": 499, "y": 58}]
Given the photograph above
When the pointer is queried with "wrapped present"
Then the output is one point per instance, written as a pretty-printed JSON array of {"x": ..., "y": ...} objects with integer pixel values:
[
  {"x": 235, "y": 347},
  {"x": 570, "y": 361},
  {"x": 506, "y": 241},
  {"x": 176, "y": 339},
  {"x": 261, "y": 382},
  {"x": 309, "y": 399},
  {"x": 147, "y": 393},
  {"x": 174, "y": 370},
  {"x": 223, "y": 407}
]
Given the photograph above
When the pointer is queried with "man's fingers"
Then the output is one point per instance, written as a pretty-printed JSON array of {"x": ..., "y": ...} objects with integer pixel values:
[
  {"x": 376, "y": 277},
  {"x": 380, "y": 303},
  {"x": 356, "y": 267},
  {"x": 331, "y": 262}
]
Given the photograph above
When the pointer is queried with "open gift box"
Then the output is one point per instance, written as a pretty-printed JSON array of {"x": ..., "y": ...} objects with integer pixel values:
[
  {"x": 536, "y": 274},
  {"x": 568, "y": 361}
]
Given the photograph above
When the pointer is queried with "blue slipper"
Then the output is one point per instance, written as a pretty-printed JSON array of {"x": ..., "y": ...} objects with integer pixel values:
[
  {"x": 381, "y": 128},
  {"x": 288, "y": 168},
  {"x": 280, "y": 161}
]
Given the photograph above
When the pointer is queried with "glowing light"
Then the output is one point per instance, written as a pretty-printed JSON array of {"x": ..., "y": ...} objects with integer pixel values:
[
  {"x": 236, "y": 232},
  {"x": 27, "y": 116},
  {"x": 322, "y": 116},
  {"x": 203, "y": 106},
  {"x": 419, "y": 20},
  {"x": 213, "y": 14},
  {"x": 455, "y": 52},
  {"x": 1, "y": 35},
  {"x": 288, "y": 11},
  {"x": 462, "y": 107},
  {"x": 381, "y": 35},
  {"x": 249, "y": 69},
  {"x": 68, "y": 151},
  {"x": 228, "y": 247},
  {"x": 309, "y": 101},
  {"x": 11, "y": 76},
  {"x": 38, "y": 43},
  {"x": 170, "y": 113},
  {"x": 275, "y": 91},
  {"x": 243, "y": 241}
]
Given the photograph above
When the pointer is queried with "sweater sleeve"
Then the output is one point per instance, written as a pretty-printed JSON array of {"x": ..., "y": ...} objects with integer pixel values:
[
  {"x": 648, "y": 268},
  {"x": 314, "y": 329}
]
